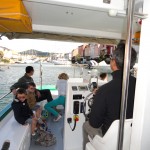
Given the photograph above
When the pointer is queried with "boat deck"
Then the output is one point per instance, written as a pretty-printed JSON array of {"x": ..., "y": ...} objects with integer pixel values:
[{"x": 57, "y": 129}]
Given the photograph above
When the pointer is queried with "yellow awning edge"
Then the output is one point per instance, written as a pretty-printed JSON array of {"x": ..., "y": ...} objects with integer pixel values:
[{"x": 14, "y": 17}]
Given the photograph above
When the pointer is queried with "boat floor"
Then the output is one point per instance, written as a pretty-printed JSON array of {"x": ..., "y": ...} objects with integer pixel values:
[{"x": 57, "y": 129}]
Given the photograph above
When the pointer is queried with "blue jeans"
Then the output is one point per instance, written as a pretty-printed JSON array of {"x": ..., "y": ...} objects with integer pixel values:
[{"x": 58, "y": 101}]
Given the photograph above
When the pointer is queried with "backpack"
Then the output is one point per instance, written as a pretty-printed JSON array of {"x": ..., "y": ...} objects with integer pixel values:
[{"x": 45, "y": 138}]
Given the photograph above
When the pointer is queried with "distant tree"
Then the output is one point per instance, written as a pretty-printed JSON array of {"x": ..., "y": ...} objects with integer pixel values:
[
  {"x": 1, "y": 54},
  {"x": 5, "y": 60},
  {"x": 101, "y": 58},
  {"x": 78, "y": 58}
]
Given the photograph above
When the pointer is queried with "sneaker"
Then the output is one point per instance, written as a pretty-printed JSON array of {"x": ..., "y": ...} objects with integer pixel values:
[
  {"x": 6, "y": 145},
  {"x": 58, "y": 118}
]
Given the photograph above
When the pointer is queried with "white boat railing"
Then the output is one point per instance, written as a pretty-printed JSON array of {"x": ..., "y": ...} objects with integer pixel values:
[{"x": 5, "y": 95}]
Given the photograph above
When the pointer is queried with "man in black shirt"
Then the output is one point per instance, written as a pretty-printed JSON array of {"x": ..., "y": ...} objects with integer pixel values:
[
  {"x": 107, "y": 101},
  {"x": 25, "y": 80}
]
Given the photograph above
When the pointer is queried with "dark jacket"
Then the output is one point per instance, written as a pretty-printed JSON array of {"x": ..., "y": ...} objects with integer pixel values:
[
  {"x": 22, "y": 82},
  {"x": 106, "y": 105},
  {"x": 21, "y": 111}
]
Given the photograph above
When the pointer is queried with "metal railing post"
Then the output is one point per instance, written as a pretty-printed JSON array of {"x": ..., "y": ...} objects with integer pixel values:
[
  {"x": 5, "y": 95},
  {"x": 126, "y": 72},
  {"x": 41, "y": 74}
]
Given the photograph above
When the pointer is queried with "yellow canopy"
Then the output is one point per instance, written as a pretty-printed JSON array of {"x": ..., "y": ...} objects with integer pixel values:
[{"x": 14, "y": 17}]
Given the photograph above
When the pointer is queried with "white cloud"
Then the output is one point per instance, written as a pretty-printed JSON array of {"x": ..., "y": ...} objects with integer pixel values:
[{"x": 41, "y": 45}]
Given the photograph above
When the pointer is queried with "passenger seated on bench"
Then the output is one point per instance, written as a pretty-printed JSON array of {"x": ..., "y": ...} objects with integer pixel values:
[
  {"x": 27, "y": 78},
  {"x": 103, "y": 77},
  {"x": 22, "y": 113},
  {"x": 107, "y": 100},
  {"x": 31, "y": 100},
  {"x": 60, "y": 100}
]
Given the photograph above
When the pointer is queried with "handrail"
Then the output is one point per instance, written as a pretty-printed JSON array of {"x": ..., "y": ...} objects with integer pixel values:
[
  {"x": 41, "y": 75},
  {"x": 5, "y": 95},
  {"x": 126, "y": 71}
]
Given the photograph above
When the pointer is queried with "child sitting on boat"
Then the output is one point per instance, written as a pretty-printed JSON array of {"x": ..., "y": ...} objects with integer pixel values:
[
  {"x": 60, "y": 100},
  {"x": 31, "y": 99},
  {"x": 103, "y": 77},
  {"x": 22, "y": 113}
]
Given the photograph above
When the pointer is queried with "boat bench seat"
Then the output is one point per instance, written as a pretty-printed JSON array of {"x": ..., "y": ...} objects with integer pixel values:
[
  {"x": 110, "y": 139},
  {"x": 18, "y": 135}
]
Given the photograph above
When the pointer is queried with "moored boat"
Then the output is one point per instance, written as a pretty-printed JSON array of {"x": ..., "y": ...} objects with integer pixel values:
[{"x": 61, "y": 62}]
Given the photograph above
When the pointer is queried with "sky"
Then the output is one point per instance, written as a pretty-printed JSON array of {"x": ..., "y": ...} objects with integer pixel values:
[{"x": 41, "y": 45}]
